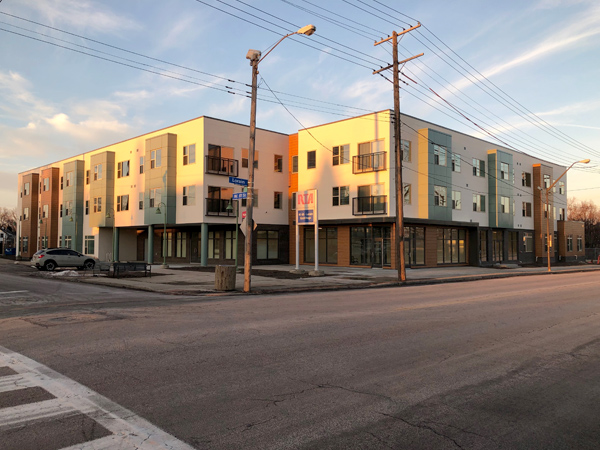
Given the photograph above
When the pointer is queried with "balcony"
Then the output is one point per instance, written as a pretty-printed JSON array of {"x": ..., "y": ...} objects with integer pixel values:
[
  {"x": 372, "y": 205},
  {"x": 218, "y": 207},
  {"x": 221, "y": 166},
  {"x": 371, "y": 162}
]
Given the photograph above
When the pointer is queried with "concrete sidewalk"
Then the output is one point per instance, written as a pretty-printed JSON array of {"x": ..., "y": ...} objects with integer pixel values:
[{"x": 277, "y": 279}]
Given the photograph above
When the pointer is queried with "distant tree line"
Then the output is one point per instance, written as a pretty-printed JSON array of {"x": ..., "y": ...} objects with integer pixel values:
[{"x": 587, "y": 212}]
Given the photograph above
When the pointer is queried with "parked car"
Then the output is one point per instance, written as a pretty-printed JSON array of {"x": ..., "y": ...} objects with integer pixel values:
[{"x": 51, "y": 258}]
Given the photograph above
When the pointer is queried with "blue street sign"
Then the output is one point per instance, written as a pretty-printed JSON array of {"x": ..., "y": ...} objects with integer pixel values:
[
  {"x": 240, "y": 195},
  {"x": 238, "y": 181},
  {"x": 306, "y": 216}
]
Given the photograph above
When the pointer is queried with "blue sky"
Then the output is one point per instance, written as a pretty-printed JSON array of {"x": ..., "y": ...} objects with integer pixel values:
[{"x": 541, "y": 56}]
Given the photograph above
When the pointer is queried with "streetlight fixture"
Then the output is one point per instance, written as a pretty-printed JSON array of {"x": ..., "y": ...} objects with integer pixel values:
[
  {"x": 255, "y": 58},
  {"x": 548, "y": 237},
  {"x": 165, "y": 266},
  {"x": 237, "y": 209},
  {"x": 114, "y": 218}
]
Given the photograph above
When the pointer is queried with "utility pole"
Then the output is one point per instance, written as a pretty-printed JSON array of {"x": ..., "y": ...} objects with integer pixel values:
[{"x": 400, "y": 262}]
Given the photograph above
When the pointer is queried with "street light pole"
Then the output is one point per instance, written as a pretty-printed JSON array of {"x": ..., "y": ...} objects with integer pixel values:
[
  {"x": 548, "y": 237},
  {"x": 255, "y": 58},
  {"x": 165, "y": 266}
]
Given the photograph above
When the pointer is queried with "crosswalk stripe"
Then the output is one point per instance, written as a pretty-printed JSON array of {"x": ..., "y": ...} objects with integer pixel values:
[
  {"x": 14, "y": 382},
  {"x": 129, "y": 430},
  {"x": 33, "y": 411}
]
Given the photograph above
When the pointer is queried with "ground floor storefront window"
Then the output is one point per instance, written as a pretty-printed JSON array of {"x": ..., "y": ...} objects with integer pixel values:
[
  {"x": 483, "y": 249},
  {"x": 267, "y": 244},
  {"x": 513, "y": 245},
  {"x": 414, "y": 246},
  {"x": 498, "y": 245},
  {"x": 451, "y": 246},
  {"x": 328, "y": 245},
  {"x": 371, "y": 246}
]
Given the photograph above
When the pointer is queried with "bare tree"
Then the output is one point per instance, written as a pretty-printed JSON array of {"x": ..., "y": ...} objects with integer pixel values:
[
  {"x": 587, "y": 212},
  {"x": 8, "y": 219}
]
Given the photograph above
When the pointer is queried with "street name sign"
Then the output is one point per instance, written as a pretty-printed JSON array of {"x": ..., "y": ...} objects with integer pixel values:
[
  {"x": 239, "y": 195},
  {"x": 238, "y": 181}
]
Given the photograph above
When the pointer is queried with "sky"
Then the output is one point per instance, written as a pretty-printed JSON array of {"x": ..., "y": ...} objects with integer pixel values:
[{"x": 76, "y": 75}]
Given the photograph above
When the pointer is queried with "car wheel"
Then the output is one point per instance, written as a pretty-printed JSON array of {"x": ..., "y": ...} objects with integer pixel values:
[
  {"x": 50, "y": 266},
  {"x": 89, "y": 264}
]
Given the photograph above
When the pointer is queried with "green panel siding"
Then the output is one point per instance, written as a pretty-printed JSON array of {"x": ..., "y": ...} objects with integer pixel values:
[
  {"x": 498, "y": 188},
  {"x": 440, "y": 176}
]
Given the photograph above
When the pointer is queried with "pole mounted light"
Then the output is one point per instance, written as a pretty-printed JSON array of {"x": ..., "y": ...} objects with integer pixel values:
[
  {"x": 255, "y": 58},
  {"x": 114, "y": 218},
  {"x": 548, "y": 236}
]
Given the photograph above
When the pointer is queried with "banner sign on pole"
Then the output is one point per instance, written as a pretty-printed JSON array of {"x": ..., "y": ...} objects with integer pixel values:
[{"x": 306, "y": 206}]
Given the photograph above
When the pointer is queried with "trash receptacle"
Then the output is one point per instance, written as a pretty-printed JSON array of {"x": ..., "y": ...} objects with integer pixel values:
[{"x": 225, "y": 278}]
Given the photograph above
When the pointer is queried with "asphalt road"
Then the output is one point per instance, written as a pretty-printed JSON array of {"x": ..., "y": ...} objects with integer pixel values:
[{"x": 491, "y": 364}]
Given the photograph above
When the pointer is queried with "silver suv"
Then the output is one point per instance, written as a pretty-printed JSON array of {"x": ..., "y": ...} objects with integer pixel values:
[{"x": 51, "y": 258}]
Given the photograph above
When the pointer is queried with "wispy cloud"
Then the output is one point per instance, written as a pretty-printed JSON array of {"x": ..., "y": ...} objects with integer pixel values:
[{"x": 81, "y": 14}]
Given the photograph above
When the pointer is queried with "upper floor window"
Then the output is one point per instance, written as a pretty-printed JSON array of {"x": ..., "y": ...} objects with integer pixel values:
[
  {"x": 278, "y": 163},
  {"x": 340, "y": 195},
  {"x": 439, "y": 196},
  {"x": 478, "y": 203},
  {"x": 504, "y": 171},
  {"x": 456, "y": 200},
  {"x": 407, "y": 192},
  {"x": 478, "y": 168},
  {"x": 44, "y": 211},
  {"x": 546, "y": 181},
  {"x": 526, "y": 209},
  {"x": 123, "y": 169},
  {"x": 69, "y": 179},
  {"x": 455, "y": 162},
  {"x": 26, "y": 189},
  {"x": 61, "y": 183},
  {"x": 189, "y": 154},
  {"x": 505, "y": 205},
  {"x": 278, "y": 200},
  {"x": 341, "y": 154},
  {"x": 141, "y": 164},
  {"x": 46, "y": 184},
  {"x": 123, "y": 203},
  {"x": 311, "y": 159},
  {"x": 371, "y": 157},
  {"x": 526, "y": 180},
  {"x": 97, "y": 204},
  {"x": 25, "y": 213},
  {"x": 439, "y": 155},
  {"x": 141, "y": 201},
  {"x": 87, "y": 177},
  {"x": 97, "y": 172},
  {"x": 561, "y": 187},
  {"x": 155, "y": 158},
  {"x": 245, "y": 158},
  {"x": 189, "y": 195},
  {"x": 561, "y": 213},
  {"x": 295, "y": 164},
  {"x": 579, "y": 243},
  {"x": 405, "y": 148},
  {"x": 155, "y": 197}
]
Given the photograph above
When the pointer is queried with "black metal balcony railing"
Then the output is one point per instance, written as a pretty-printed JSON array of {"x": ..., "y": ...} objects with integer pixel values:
[
  {"x": 221, "y": 166},
  {"x": 371, "y": 162},
  {"x": 374, "y": 204},
  {"x": 218, "y": 207}
]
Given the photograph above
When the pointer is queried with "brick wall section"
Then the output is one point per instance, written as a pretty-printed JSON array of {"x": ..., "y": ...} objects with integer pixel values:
[
  {"x": 430, "y": 247},
  {"x": 293, "y": 187},
  {"x": 575, "y": 229},
  {"x": 539, "y": 198},
  {"x": 49, "y": 225},
  {"x": 29, "y": 227}
]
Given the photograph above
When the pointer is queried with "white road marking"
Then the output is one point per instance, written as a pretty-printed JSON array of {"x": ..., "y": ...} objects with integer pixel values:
[
  {"x": 14, "y": 382},
  {"x": 12, "y": 292},
  {"x": 129, "y": 430}
]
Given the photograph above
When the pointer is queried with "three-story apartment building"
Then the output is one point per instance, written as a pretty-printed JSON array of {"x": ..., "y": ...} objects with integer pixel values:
[
  {"x": 466, "y": 201},
  {"x": 167, "y": 194},
  {"x": 117, "y": 201}
]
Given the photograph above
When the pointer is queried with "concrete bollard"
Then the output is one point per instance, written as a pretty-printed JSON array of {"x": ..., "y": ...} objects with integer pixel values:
[{"x": 225, "y": 278}]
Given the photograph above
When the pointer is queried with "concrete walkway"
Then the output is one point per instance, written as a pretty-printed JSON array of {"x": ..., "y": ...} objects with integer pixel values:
[{"x": 273, "y": 279}]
